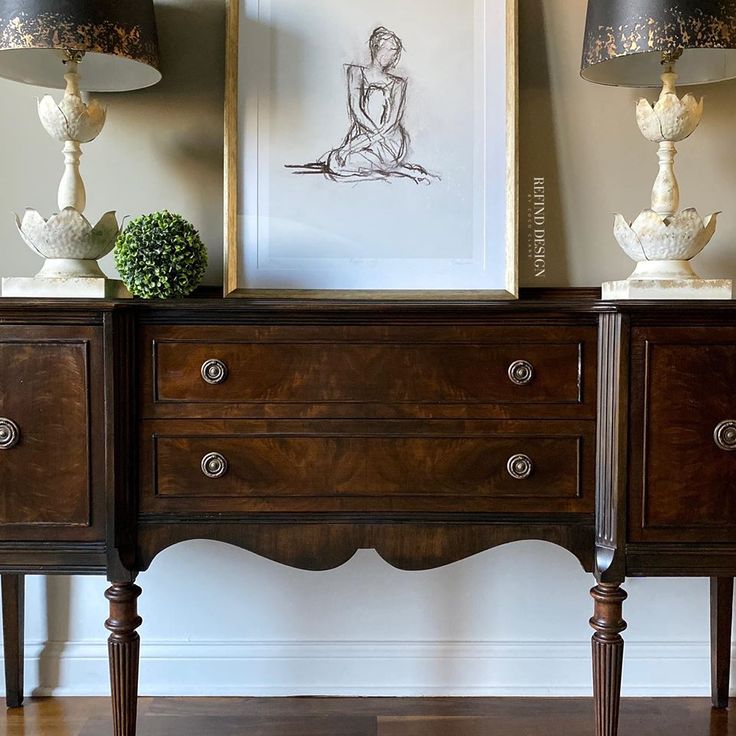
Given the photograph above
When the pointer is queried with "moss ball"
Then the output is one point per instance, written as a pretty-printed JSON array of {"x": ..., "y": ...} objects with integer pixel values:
[{"x": 160, "y": 256}]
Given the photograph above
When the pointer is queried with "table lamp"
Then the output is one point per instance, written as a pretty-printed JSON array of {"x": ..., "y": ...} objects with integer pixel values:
[
  {"x": 648, "y": 43},
  {"x": 90, "y": 45}
]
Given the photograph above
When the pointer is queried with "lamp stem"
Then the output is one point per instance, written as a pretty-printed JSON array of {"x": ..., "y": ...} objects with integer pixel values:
[
  {"x": 71, "y": 189},
  {"x": 666, "y": 191}
]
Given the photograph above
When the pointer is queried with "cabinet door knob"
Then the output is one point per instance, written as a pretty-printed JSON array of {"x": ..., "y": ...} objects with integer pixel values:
[
  {"x": 214, "y": 465},
  {"x": 520, "y": 467},
  {"x": 214, "y": 371},
  {"x": 9, "y": 434},
  {"x": 725, "y": 435},
  {"x": 521, "y": 372}
]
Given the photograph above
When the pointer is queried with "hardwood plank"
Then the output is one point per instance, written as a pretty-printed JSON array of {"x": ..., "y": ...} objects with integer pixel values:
[
  {"x": 59, "y": 716},
  {"x": 441, "y": 726},
  {"x": 225, "y": 725},
  {"x": 307, "y": 707},
  {"x": 693, "y": 722}
]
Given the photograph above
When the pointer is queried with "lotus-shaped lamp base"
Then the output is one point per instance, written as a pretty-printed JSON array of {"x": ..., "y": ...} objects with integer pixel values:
[
  {"x": 69, "y": 242},
  {"x": 662, "y": 247},
  {"x": 653, "y": 237}
]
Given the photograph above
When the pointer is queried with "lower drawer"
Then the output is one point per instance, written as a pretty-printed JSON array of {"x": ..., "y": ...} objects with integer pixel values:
[{"x": 248, "y": 466}]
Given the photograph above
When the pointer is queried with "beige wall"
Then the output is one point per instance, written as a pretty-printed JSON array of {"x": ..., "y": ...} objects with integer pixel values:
[{"x": 162, "y": 148}]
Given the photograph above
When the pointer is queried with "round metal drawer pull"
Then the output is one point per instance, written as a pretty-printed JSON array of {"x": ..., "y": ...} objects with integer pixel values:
[
  {"x": 214, "y": 372},
  {"x": 521, "y": 372},
  {"x": 214, "y": 465},
  {"x": 520, "y": 467},
  {"x": 9, "y": 434},
  {"x": 725, "y": 435}
]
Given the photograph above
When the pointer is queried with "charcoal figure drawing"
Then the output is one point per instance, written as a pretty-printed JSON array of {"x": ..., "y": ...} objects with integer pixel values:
[{"x": 377, "y": 145}]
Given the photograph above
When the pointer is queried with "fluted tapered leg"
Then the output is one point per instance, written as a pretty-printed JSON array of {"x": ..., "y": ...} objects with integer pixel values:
[
  {"x": 13, "y": 587},
  {"x": 608, "y": 656},
  {"x": 721, "y": 616},
  {"x": 124, "y": 653}
]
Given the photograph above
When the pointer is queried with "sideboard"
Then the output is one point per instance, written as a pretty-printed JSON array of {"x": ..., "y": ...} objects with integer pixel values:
[{"x": 426, "y": 430}]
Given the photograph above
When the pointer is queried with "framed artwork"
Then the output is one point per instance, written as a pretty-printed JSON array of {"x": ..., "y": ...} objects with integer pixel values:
[{"x": 371, "y": 148}]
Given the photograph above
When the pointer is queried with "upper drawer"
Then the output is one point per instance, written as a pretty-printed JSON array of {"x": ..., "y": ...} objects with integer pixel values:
[
  {"x": 683, "y": 462},
  {"x": 393, "y": 371}
]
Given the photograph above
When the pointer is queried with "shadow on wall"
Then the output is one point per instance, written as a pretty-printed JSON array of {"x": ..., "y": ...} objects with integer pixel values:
[
  {"x": 183, "y": 114},
  {"x": 195, "y": 81},
  {"x": 58, "y": 612},
  {"x": 712, "y": 145},
  {"x": 542, "y": 252}
]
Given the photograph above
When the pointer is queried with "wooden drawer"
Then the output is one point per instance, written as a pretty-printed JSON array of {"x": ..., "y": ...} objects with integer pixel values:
[
  {"x": 683, "y": 485},
  {"x": 328, "y": 466},
  {"x": 369, "y": 371},
  {"x": 51, "y": 407}
]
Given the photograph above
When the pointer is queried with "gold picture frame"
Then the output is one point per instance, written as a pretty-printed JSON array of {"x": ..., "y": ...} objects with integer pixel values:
[{"x": 233, "y": 245}]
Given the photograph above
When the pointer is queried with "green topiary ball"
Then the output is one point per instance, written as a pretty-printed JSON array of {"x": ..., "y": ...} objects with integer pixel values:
[{"x": 160, "y": 256}]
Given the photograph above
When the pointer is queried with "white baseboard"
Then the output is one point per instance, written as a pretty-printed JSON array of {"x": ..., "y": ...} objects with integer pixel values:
[{"x": 226, "y": 668}]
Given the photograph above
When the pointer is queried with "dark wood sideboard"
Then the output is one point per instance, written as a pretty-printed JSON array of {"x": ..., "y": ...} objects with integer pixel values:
[{"x": 428, "y": 431}]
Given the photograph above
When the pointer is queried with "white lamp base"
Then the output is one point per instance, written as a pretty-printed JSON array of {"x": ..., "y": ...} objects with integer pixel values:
[
  {"x": 65, "y": 288},
  {"x": 639, "y": 288}
]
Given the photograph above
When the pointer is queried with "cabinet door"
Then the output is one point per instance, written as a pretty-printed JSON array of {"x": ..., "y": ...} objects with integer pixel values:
[
  {"x": 51, "y": 434},
  {"x": 683, "y": 452}
]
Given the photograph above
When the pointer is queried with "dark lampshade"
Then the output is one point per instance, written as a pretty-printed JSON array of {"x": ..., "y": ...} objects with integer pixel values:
[
  {"x": 625, "y": 39},
  {"x": 118, "y": 37}
]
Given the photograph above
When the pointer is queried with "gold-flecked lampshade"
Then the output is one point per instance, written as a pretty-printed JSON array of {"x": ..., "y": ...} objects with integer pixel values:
[
  {"x": 625, "y": 40},
  {"x": 118, "y": 38}
]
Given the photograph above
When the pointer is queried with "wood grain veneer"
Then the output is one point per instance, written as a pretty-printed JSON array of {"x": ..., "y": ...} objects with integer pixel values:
[
  {"x": 51, "y": 387},
  {"x": 682, "y": 485}
]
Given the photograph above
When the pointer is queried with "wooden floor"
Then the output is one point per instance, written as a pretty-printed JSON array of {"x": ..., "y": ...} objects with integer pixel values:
[{"x": 365, "y": 717}]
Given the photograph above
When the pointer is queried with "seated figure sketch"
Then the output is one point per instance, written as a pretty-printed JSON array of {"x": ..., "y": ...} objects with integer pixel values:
[{"x": 376, "y": 146}]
